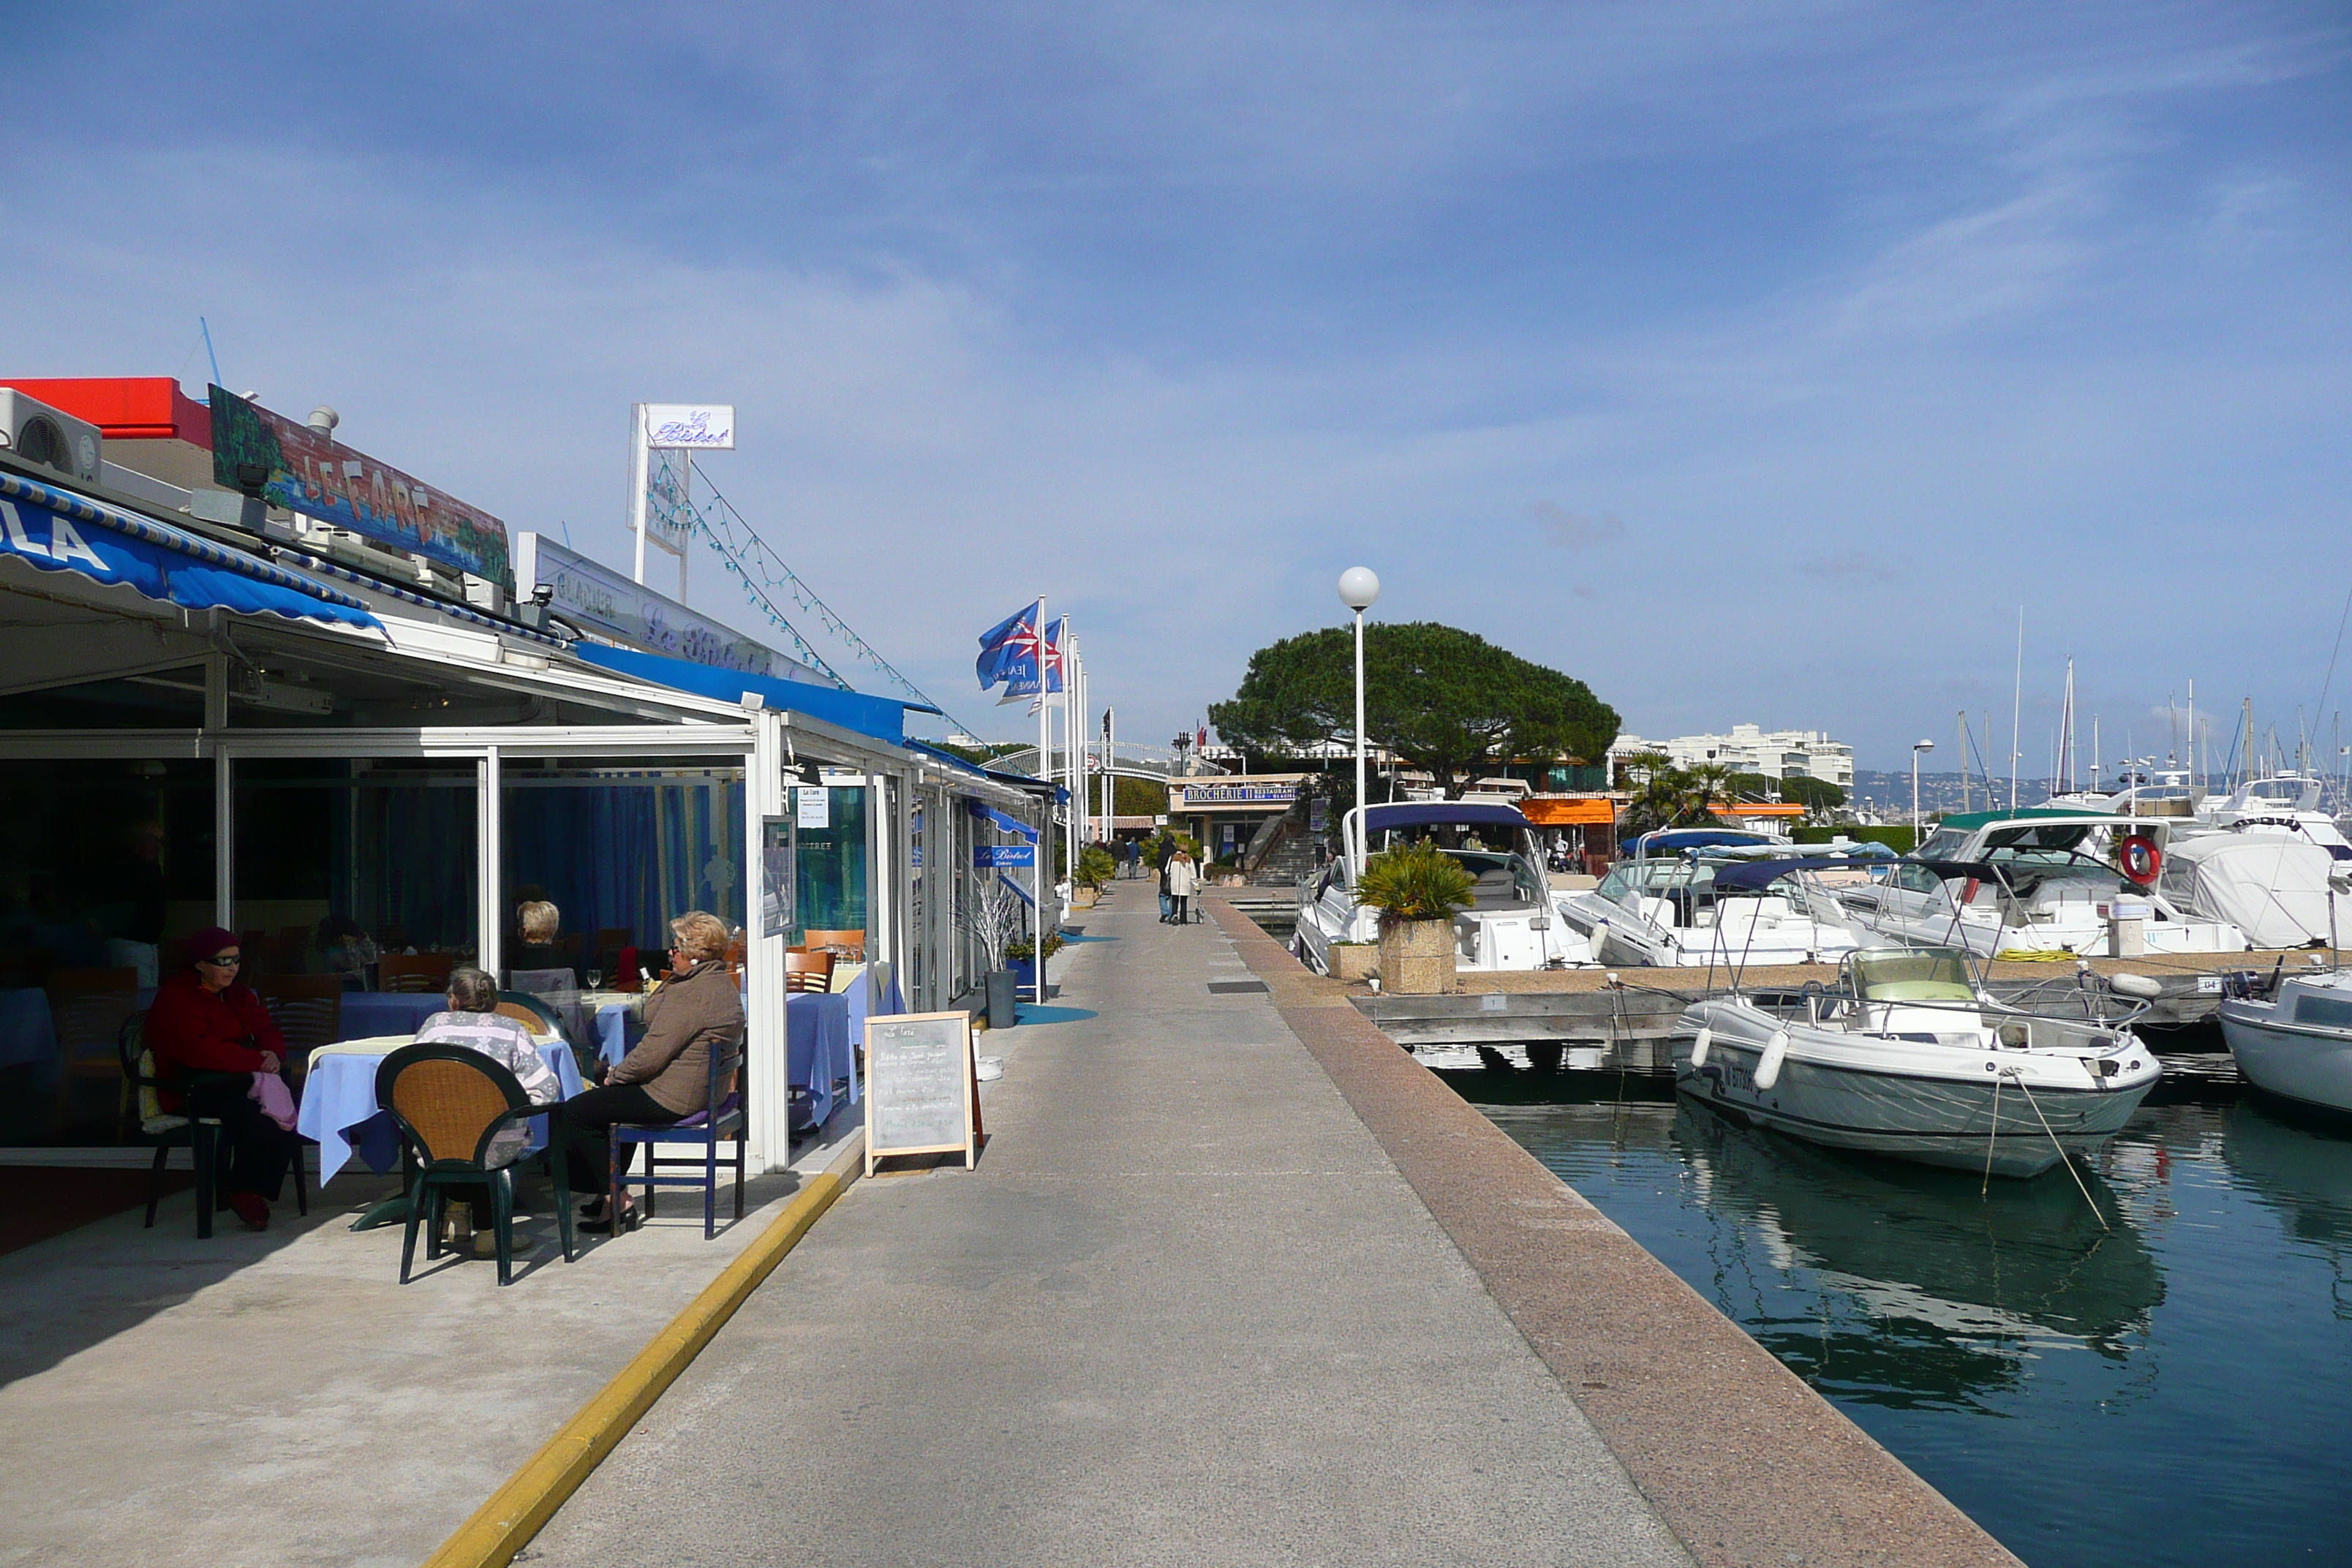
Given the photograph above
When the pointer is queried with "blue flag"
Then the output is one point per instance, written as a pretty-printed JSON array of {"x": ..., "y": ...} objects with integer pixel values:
[{"x": 1009, "y": 652}]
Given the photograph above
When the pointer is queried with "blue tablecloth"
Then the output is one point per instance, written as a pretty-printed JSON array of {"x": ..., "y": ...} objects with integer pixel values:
[
  {"x": 820, "y": 1049},
  {"x": 369, "y": 1014},
  {"x": 25, "y": 1032},
  {"x": 340, "y": 1115}
]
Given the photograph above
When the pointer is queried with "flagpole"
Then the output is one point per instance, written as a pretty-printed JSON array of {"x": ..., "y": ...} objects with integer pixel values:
[{"x": 1045, "y": 747}]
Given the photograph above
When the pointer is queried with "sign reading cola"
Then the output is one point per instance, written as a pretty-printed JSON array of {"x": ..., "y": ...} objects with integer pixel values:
[{"x": 1242, "y": 792}]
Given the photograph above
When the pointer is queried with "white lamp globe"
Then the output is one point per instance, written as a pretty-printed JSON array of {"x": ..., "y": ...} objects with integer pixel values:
[{"x": 1359, "y": 588}]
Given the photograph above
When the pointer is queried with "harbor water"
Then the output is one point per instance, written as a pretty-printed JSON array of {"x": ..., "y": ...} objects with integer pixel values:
[{"x": 2164, "y": 1381}]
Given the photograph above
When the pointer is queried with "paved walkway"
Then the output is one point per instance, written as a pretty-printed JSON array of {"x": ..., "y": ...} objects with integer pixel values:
[{"x": 1186, "y": 1312}]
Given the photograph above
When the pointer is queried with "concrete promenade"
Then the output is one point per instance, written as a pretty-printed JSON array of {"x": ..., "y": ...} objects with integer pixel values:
[{"x": 1187, "y": 1310}]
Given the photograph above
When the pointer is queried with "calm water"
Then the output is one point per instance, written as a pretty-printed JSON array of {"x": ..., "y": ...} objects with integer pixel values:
[{"x": 2177, "y": 1389}]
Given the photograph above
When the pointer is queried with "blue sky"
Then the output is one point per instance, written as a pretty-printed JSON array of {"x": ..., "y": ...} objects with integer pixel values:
[{"x": 1750, "y": 362}]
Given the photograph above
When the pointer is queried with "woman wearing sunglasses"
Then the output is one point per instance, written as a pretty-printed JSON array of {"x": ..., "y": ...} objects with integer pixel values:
[{"x": 210, "y": 1035}]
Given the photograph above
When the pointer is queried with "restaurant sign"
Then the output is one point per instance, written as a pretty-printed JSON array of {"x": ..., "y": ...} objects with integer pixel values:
[
  {"x": 598, "y": 599},
  {"x": 985, "y": 855},
  {"x": 698, "y": 426},
  {"x": 304, "y": 470},
  {"x": 1240, "y": 792}
]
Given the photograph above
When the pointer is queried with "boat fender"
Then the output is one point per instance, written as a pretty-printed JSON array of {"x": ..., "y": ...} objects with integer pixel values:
[
  {"x": 1699, "y": 1046},
  {"x": 2140, "y": 859},
  {"x": 2138, "y": 986},
  {"x": 1767, "y": 1066}
]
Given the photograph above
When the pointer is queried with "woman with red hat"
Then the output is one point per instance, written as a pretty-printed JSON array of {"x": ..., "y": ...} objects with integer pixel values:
[{"x": 210, "y": 1035}]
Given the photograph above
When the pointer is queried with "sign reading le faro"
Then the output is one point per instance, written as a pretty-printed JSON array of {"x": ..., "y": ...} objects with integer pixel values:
[{"x": 1243, "y": 792}]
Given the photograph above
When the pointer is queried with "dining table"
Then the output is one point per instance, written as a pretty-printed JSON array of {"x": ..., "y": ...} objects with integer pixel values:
[{"x": 339, "y": 1112}]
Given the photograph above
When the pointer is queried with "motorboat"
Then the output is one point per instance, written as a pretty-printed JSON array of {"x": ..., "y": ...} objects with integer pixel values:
[
  {"x": 2034, "y": 882},
  {"x": 1909, "y": 1055},
  {"x": 1511, "y": 923},
  {"x": 2283, "y": 805},
  {"x": 2295, "y": 1041},
  {"x": 1725, "y": 905},
  {"x": 2282, "y": 890}
]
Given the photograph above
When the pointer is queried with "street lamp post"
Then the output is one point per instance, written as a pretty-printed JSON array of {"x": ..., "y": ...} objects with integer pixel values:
[
  {"x": 1359, "y": 588},
  {"x": 1916, "y": 748}
]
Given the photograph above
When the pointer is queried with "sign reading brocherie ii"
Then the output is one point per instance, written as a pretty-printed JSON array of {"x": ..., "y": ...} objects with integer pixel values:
[{"x": 1243, "y": 792}]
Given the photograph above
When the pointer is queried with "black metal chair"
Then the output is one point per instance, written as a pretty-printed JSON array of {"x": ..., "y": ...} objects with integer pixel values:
[
  {"x": 451, "y": 1104},
  {"x": 722, "y": 1119},
  {"x": 167, "y": 1130}
]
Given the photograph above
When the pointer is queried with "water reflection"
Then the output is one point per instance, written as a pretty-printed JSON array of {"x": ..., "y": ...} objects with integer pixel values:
[
  {"x": 2168, "y": 1391},
  {"x": 1878, "y": 1281}
]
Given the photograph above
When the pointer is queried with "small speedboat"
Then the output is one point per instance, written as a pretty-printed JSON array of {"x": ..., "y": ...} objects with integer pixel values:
[
  {"x": 2297, "y": 1041},
  {"x": 1511, "y": 922},
  {"x": 1910, "y": 1057},
  {"x": 1724, "y": 906}
]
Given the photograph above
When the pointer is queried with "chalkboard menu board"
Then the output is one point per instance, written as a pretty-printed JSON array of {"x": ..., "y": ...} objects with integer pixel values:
[{"x": 922, "y": 1088}]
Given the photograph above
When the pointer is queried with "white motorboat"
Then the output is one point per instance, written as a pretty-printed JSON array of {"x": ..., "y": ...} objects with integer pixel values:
[
  {"x": 1910, "y": 1057},
  {"x": 1511, "y": 922},
  {"x": 1718, "y": 906},
  {"x": 2283, "y": 889},
  {"x": 2284, "y": 804},
  {"x": 2295, "y": 1042},
  {"x": 2035, "y": 881}
]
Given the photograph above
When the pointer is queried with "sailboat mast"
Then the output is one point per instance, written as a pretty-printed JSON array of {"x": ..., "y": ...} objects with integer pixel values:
[{"x": 2016, "y": 707}]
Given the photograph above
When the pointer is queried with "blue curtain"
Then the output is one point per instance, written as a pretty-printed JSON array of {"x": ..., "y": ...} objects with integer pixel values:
[{"x": 621, "y": 856}]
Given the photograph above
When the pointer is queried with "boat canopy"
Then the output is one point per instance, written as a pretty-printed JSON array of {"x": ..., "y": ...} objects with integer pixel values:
[
  {"x": 1755, "y": 876},
  {"x": 1970, "y": 821},
  {"x": 1675, "y": 840},
  {"x": 1973, "y": 870},
  {"x": 1445, "y": 813}
]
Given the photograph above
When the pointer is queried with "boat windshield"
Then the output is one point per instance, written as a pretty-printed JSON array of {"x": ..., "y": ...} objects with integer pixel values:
[
  {"x": 1944, "y": 844},
  {"x": 1912, "y": 974},
  {"x": 1503, "y": 861}
]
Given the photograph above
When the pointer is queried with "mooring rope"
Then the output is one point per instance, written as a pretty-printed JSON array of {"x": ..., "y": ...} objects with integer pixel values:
[
  {"x": 2061, "y": 1148},
  {"x": 1985, "y": 1191}
]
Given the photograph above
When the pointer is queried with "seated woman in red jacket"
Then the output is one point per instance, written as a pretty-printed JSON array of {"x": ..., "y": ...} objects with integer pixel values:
[{"x": 210, "y": 1035}]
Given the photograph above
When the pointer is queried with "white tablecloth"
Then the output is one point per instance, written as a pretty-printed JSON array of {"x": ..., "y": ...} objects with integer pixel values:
[{"x": 339, "y": 1112}]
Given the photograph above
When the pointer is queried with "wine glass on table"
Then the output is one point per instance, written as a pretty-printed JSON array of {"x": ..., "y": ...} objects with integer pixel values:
[{"x": 595, "y": 980}]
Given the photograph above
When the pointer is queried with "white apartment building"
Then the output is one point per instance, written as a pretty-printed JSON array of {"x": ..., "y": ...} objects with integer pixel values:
[{"x": 1748, "y": 749}]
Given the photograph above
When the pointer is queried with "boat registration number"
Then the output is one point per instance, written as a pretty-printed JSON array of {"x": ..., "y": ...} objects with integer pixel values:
[
  {"x": 2208, "y": 985},
  {"x": 1738, "y": 1076}
]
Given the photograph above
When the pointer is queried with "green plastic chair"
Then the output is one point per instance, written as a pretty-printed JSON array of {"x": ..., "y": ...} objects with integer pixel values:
[{"x": 451, "y": 1104}]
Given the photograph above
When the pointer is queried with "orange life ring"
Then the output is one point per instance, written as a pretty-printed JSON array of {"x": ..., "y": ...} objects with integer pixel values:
[{"x": 2140, "y": 859}]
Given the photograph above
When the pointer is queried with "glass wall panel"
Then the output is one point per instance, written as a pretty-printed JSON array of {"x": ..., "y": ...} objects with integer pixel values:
[
  {"x": 831, "y": 867},
  {"x": 619, "y": 848},
  {"x": 340, "y": 862},
  {"x": 104, "y": 866}
]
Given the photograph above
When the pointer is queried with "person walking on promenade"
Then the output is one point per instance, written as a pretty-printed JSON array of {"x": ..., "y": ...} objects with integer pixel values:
[
  {"x": 1183, "y": 881},
  {"x": 1160, "y": 864}
]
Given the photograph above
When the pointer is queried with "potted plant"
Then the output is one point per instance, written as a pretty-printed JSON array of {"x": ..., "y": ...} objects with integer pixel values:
[
  {"x": 992, "y": 918},
  {"x": 1095, "y": 866},
  {"x": 1417, "y": 888},
  {"x": 1019, "y": 956}
]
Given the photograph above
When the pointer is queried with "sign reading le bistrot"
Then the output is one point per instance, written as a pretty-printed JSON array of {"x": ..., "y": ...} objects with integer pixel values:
[{"x": 922, "y": 1087}]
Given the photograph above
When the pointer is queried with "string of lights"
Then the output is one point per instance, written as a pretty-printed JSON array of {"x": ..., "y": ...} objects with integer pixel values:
[{"x": 738, "y": 546}]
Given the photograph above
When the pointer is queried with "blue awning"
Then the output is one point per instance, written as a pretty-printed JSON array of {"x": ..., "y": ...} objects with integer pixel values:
[
  {"x": 1443, "y": 813},
  {"x": 57, "y": 531},
  {"x": 879, "y": 717}
]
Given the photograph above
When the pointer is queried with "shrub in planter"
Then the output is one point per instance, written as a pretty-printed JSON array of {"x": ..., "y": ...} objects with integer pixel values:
[{"x": 1417, "y": 888}]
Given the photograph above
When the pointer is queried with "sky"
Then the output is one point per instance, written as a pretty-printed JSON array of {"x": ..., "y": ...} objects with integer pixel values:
[{"x": 1750, "y": 362}]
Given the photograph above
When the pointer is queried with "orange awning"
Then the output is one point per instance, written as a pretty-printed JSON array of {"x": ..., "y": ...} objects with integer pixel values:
[{"x": 1546, "y": 813}]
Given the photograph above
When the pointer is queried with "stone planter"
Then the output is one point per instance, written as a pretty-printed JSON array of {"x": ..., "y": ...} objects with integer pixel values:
[
  {"x": 1417, "y": 957},
  {"x": 1003, "y": 1004},
  {"x": 1085, "y": 898},
  {"x": 1354, "y": 962}
]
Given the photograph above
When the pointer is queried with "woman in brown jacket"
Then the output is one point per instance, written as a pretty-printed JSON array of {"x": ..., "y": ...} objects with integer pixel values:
[{"x": 666, "y": 1076}]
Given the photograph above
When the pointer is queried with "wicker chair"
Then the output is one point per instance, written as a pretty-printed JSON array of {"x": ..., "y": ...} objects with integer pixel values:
[
  {"x": 449, "y": 1103},
  {"x": 308, "y": 1010},
  {"x": 723, "y": 1120},
  {"x": 807, "y": 970},
  {"x": 416, "y": 973},
  {"x": 529, "y": 1010}
]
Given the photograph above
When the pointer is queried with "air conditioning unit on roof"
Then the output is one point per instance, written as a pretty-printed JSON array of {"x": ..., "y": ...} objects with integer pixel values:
[{"x": 46, "y": 437}]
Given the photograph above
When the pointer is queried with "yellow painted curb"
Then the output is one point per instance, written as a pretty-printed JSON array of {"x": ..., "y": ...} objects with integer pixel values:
[{"x": 516, "y": 1512}]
